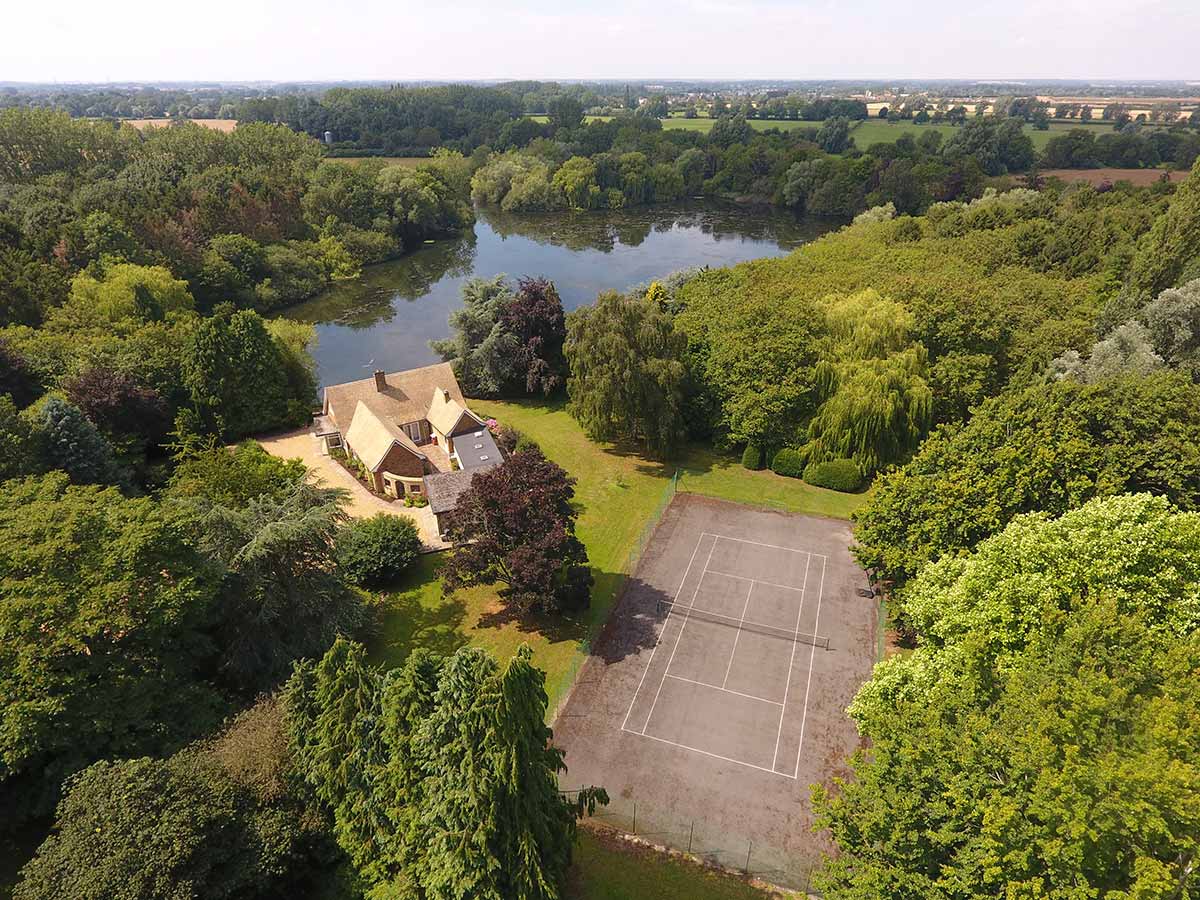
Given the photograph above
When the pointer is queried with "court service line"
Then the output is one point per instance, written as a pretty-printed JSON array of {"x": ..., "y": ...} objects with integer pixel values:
[
  {"x": 785, "y": 587},
  {"x": 686, "y": 572},
  {"x": 804, "y": 718},
  {"x": 761, "y": 544},
  {"x": 723, "y": 690},
  {"x": 733, "y": 652},
  {"x": 737, "y": 762},
  {"x": 791, "y": 664},
  {"x": 691, "y": 603}
]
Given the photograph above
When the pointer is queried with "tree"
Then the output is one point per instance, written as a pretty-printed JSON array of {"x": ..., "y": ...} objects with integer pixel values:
[
  {"x": 482, "y": 352},
  {"x": 1032, "y": 745},
  {"x": 375, "y": 551},
  {"x": 534, "y": 316},
  {"x": 280, "y": 600},
  {"x": 565, "y": 112},
  {"x": 1051, "y": 447},
  {"x": 115, "y": 402},
  {"x": 627, "y": 372},
  {"x": 441, "y": 776},
  {"x": 224, "y": 824},
  {"x": 516, "y": 525},
  {"x": 28, "y": 287},
  {"x": 67, "y": 441},
  {"x": 104, "y": 605},
  {"x": 1168, "y": 255},
  {"x": 236, "y": 375},
  {"x": 575, "y": 180},
  {"x": 17, "y": 379},
  {"x": 127, "y": 291},
  {"x": 233, "y": 476}
]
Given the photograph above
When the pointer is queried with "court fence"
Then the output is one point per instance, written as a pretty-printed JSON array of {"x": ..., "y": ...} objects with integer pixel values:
[
  {"x": 624, "y": 570},
  {"x": 707, "y": 842}
]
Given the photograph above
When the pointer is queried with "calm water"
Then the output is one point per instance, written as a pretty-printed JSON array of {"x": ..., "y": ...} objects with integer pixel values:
[{"x": 386, "y": 318}]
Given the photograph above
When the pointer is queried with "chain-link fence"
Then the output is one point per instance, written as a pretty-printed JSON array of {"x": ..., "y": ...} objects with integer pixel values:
[
  {"x": 627, "y": 567},
  {"x": 709, "y": 842}
]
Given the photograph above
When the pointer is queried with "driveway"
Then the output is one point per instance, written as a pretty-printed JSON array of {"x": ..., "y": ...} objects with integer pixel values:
[{"x": 303, "y": 444}]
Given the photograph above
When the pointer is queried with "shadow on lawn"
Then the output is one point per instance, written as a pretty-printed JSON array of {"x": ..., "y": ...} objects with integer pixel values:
[{"x": 407, "y": 624}]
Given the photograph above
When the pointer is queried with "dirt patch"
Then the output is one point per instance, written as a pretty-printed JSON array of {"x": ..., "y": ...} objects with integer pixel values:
[{"x": 1138, "y": 177}]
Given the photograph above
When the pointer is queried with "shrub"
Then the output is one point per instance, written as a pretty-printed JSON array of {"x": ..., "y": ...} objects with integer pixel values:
[
  {"x": 752, "y": 457},
  {"x": 525, "y": 442},
  {"x": 789, "y": 462},
  {"x": 836, "y": 474},
  {"x": 418, "y": 500},
  {"x": 375, "y": 551}
]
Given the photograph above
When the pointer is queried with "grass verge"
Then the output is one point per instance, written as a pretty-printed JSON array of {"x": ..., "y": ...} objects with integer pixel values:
[{"x": 607, "y": 868}]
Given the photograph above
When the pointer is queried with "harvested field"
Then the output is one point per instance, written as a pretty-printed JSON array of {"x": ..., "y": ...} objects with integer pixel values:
[
  {"x": 225, "y": 125},
  {"x": 1139, "y": 177}
]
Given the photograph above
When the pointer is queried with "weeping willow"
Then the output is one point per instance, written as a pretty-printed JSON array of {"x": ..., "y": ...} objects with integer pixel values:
[{"x": 876, "y": 403}]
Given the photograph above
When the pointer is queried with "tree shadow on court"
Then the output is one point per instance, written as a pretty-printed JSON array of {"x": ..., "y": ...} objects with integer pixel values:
[{"x": 635, "y": 620}]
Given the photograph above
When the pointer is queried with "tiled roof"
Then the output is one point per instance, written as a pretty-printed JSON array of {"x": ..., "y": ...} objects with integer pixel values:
[
  {"x": 445, "y": 412},
  {"x": 445, "y": 489},
  {"x": 405, "y": 396},
  {"x": 371, "y": 436}
]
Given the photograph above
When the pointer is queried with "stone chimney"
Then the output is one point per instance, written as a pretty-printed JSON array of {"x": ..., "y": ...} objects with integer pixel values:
[
  {"x": 445, "y": 395},
  {"x": 380, "y": 381}
]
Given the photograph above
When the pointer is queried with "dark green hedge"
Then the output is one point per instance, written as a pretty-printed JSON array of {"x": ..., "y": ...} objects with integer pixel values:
[
  {"x": 836, "y": 474},
  {"x": 752, "y": 457},
  {"x": 788, "y": 462}
]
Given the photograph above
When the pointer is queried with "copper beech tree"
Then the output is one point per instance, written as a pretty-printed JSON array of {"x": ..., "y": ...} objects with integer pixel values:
[{"x": 515, "y": 525}]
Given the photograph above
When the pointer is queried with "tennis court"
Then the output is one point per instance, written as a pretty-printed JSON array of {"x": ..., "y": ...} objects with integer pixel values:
[{"x": 716, "y": 694}]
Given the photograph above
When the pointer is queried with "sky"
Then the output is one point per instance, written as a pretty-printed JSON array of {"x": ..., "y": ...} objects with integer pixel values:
[{"x": 399, "y": 40}]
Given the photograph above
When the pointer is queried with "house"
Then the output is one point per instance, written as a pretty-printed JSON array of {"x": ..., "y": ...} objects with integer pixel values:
[{"x": 412, "y": 432}]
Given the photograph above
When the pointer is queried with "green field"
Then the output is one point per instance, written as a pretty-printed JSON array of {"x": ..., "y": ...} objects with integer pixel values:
[
  {"x": 875, "y": 131},
  {"x": 409, "y": 161},
  {"x": 604, "y": 869},
  {"x": 617, "y": 492}
]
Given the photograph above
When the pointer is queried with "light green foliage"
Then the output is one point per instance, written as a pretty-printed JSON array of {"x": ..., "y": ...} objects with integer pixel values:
[
  {"x": 1051, "y": 447},
  {"x": 1042, "y": 740},
  {"x": 126, "y": 291},
  {"x": 627, "y": 372},
  {"x": 1170, "y": 254},
  {"x": 233, "y": 476},
  {"x": 236, "y": 375},
  {"x": 103, "y": 601},
  {"x": 376, "y": 551},
  {"x": 876, "y": 405},
  {"x": 575, "y": 180},
  {"x": 214, "y": 820},
  {"x": 441, "y": 777}
]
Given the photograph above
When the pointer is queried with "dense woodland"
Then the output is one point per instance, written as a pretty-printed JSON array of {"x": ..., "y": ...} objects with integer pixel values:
[{"x": 180, "y": 621}]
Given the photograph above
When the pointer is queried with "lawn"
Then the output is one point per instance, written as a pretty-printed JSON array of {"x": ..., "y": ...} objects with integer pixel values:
[
  {"x": 874, "y": 131},
  {"x": 604, "y": 869},
  {"x": 617, "y": 493}
]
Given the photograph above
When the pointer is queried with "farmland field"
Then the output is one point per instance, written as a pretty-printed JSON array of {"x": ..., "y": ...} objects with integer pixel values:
[
  {"x": 409, "y": 161},
  {"x": 215, "y": 124},
  {"x": 1139, "y": 177}
]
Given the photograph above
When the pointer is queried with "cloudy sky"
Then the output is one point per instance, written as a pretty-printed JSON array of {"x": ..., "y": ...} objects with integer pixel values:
[{"x": 85, "y": 40}]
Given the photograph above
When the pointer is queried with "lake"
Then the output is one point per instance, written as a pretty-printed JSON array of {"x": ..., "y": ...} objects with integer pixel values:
[{"x": 386, "y": 318}]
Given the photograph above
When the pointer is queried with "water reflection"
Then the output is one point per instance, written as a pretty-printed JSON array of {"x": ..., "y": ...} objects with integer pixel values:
[{"x": 387, "y": 317}]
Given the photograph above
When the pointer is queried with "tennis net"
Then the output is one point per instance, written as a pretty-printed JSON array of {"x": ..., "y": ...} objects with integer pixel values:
[{"x": 669, "y": 607}]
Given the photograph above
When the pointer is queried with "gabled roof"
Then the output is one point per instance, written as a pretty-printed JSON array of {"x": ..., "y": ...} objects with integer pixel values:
[
  {"x": 445, "y": 412},
  {"x": 405, "y": 396},
  {"x": 371, "y": 436}
]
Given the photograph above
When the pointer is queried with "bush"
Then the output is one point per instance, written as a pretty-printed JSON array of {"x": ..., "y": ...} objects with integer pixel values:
[
  {"x": 418, "y": 500},
  {"x": 836, "y": 474},
  {"x": 752, "y": 457},
  {"x": 788, "y": 462},
  {"x": 375, "y": 551}
]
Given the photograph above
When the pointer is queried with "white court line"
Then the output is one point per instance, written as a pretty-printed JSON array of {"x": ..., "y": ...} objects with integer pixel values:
[
  {"x": 686, "y": 572},
  {"x": 678, "y": 636},
  {"x": 791, "y": 664},
  {"x": 786, "y": 587},
  {"x": 804, "y": 718},
  {"x": 733, "y": 652},
  {"x": 723, "y": 690},
  {"x": 706, "y": 753},
  {"x": 760, "y": 544}
]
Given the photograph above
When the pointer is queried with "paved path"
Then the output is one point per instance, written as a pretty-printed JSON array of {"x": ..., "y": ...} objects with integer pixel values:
[{"x": 303, "y": 444}]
